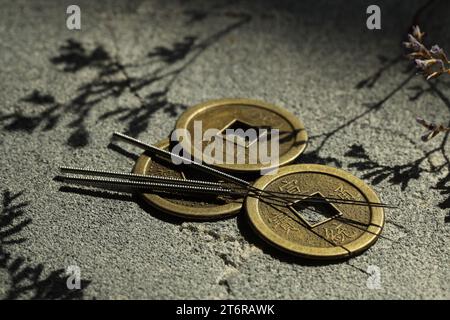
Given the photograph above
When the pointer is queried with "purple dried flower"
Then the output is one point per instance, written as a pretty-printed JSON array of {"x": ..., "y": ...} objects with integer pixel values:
[
  {"x": 433, "y": 63},
  {"x": 407, "y": 45},
  {"x": 434, "y": 75},
  {"x": 427, "y": 136},
  {"x": 436, "y": 49},
  {"x": 417, "y": 33},
  {"x": 413, "y": 43},
  {"x": 420, "y": 64},
  {"x": 433, "y": 129}
]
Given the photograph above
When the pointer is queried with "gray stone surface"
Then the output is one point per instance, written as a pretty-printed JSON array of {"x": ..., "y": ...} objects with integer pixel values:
[{"x": 307, "y": 56}]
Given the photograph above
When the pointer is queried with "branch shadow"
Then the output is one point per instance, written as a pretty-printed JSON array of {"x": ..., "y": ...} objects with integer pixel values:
[
  {"x": 27, "y": 280},
  {"x": 403, "y": 174},
  {"x": 377, "y": 173},
  {"x": 113, "y": 80}
]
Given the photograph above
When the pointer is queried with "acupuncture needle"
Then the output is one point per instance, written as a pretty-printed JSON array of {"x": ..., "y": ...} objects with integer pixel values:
[
  {"x": 144, "y": 185},
  {"x": 307, "y": 198},
  {"x": 136, "y": 176},
  {"x": 166, "y": 155},
  {"x": 186, "y": 183},
  {"x": 112, "y": 183},
  {"x": 159, "y": 184},
  {"x": 208, "y": 183}
]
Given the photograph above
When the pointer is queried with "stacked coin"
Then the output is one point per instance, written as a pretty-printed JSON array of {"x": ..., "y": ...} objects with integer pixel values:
[
  {"x": 222, "y": 115},
  {"x": 311, "y": 229},
  {"x": 325, "y": 230},
  {"x": 188, "y": 206},
  {"x": 244, "y": 114}
]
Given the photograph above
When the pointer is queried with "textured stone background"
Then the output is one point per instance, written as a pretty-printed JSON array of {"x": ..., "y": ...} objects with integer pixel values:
[{"x": 136, "y": 65}]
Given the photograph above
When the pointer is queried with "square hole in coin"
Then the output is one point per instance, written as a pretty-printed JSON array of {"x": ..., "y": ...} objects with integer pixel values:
[
  {"x": 240, "y": 137},
  {"x": 315, "y": 213}
]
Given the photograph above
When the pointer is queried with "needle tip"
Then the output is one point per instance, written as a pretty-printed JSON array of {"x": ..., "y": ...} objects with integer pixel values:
[{"x": 117, "y": 134}]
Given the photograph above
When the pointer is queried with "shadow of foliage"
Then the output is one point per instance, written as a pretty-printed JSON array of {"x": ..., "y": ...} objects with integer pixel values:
[
  {"x": 162, "y": 65},
  {"x": 10, "y": 213},
  {"x": 314, "y": 157},
  {"x": 27, "y": 281},
  {"x": 372, "y": 79},
  {"x": 178, "y": 51},
  {"x": 195, "y": 16},
  {"x": 377, "y": 173},
  {"x": 444, "y": 188},
  {"x": 74, "y": 57},
  {"x": 48, "y": 117},
  {"x": 403, "y": 174}
]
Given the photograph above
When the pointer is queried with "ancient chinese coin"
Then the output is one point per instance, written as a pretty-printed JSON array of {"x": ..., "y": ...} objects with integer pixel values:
[
  {"x": 241, "y": 135},
  {"x": 184, "y": 205},
  {"x": 316, "y": 229}
]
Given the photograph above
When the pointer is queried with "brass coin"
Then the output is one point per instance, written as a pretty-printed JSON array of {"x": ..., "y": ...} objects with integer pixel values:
[
  {"x": 193, "y": 207},
  {"x": 317, "y": 231},
  {"x": 243, "y": 114}
]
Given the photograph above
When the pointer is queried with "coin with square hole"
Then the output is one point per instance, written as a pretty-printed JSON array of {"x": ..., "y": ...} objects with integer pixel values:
[
  {"x": 311, "y": 227},
  {"x": 235, "y": 133},
  {"x": 315, "y": 213},
  {"x": 242, "y": 124},
  {"x": 200, "y": 207}
]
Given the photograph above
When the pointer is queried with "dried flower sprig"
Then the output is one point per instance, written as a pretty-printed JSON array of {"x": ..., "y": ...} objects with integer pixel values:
[
  {"x": 433, "y": 129},
  {"x": 432, "y": 63}
]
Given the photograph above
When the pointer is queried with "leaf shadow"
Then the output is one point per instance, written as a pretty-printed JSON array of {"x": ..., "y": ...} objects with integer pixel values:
[
  {"x": 160, "y": 67},
  {"x": 27, "y": 280},
  {"x": 377, "y": 173}
]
